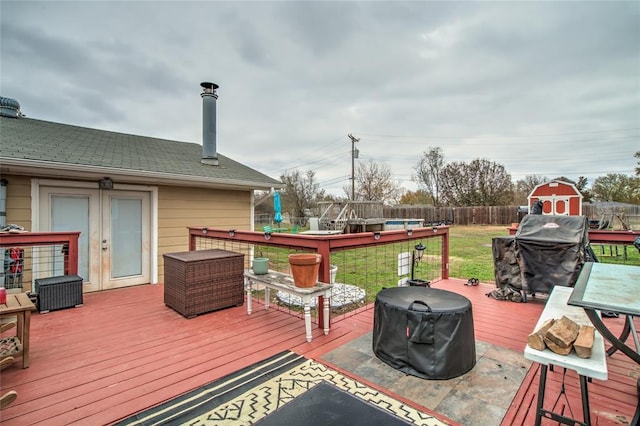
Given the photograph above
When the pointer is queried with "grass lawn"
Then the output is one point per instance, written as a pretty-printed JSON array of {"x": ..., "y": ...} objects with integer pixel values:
[{"x": 470, "y": 254}]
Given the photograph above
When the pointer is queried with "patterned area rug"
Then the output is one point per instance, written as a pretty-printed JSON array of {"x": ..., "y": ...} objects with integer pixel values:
[{"x": 284, "y": 387}]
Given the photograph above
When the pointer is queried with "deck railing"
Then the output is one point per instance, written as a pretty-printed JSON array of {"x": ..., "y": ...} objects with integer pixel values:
[
  {"x": 368, "y": 261},
  {"x": 30, "y": 255}
]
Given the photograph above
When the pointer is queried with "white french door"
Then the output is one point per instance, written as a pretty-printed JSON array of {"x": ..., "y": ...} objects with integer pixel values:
[
  {"x": 114, "y": 230},
  {"x": 125, "y": 238}
]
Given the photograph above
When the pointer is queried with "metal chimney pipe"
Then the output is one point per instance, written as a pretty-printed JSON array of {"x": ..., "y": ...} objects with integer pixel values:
[{"x": 209, "y": 97}]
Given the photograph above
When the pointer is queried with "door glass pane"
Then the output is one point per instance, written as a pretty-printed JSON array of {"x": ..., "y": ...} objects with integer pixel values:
[
  {"x": 69, "y": 213},
  {"x": 126, "y": 237}
]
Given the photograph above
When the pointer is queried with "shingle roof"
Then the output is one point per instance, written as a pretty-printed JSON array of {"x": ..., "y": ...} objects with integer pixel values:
[{"x": 28, "y": 140}]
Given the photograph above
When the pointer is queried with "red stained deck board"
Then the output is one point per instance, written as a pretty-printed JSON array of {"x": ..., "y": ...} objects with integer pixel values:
[{"x": 124, "y": 351}]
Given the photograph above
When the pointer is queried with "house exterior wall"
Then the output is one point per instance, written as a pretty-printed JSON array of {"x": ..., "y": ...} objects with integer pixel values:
[
  {"x": 19, "y": 200},
  {"x": 178, "y": 208}
]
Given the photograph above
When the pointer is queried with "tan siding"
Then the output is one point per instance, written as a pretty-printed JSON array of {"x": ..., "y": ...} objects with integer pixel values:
[
  {"x": 19, "y": 200},
  {"x": 179, "y": 208}
]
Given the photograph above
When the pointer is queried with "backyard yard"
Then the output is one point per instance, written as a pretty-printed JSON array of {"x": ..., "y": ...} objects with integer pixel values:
[{"x": 471, "y": 256}]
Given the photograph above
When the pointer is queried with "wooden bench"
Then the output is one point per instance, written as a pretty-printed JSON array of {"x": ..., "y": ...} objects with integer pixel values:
[{"x": 593, "y": 367}]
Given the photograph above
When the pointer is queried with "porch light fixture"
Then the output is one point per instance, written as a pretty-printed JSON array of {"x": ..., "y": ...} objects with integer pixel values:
[
  {"x": 105, "y": 183},
  {"x": 232, "y": 232},
  {"x": 409, "y": 232},
  {"x": 204, "y": 230},
  {"x": 416, "y": 256},
  {"x": 376, "y": 235},
  {"x": 267, "y": 235}
]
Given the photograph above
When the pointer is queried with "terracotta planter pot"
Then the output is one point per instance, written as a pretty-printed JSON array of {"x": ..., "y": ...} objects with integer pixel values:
[{"x": 305, "y": 268}]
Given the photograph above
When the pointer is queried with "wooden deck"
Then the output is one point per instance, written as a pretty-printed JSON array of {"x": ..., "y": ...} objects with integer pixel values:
[{"x": 124, "y": 351}]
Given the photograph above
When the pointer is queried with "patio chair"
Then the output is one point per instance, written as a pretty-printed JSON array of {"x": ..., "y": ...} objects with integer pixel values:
[
  {"x": 10, "y": 346},
  {"x": 267, "y": 229},
  {"x": 8, "y": 398}
]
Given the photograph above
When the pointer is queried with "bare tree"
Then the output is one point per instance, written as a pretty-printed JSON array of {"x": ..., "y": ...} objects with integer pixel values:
[
  {"x": 581, "y": 186},
  {"x": 617, "y": 187},
  {"x": 428, "y": 173},
  {"x": 373, "y": 182},
  {"x": 637, "y": 155},
  {"x": 299, "y": 194},
  {"x": 416, "y": 197},
  {"x": 479, "y": 183},
  {"x": 524, "y": 186}
]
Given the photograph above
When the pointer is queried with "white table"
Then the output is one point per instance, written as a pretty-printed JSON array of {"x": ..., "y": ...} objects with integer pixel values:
[
  {"x": 284, "y": 282},
  {"x": 594, "y": 367}
]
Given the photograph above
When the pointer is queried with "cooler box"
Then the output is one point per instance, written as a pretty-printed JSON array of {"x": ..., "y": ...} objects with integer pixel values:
[{"x": 64, "y": 291}]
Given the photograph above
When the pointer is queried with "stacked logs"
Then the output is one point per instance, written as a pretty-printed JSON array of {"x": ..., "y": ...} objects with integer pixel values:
[{"x": 563, "y": 335}]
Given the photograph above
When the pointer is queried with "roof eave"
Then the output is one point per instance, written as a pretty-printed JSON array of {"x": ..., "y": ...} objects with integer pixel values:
[{"x": 77, "y": 171}]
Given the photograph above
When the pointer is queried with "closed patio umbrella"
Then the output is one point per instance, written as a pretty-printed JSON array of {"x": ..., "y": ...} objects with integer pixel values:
[{"x": 277, "y": 207}]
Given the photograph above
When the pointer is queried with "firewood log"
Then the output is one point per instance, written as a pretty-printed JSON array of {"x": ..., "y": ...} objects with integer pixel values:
[
  {"x": 558, "y": 349},
  {"x": 584, "y": 342},
  {"x": 562, "y": 333},
  {"x": 536, "y": 339}
]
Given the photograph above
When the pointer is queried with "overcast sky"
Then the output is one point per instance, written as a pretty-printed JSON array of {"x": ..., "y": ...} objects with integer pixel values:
[{"x": 546, "y": 88}]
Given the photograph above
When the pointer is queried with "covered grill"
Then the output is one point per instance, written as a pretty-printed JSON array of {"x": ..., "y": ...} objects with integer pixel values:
[{"x": 547, "y": 250}]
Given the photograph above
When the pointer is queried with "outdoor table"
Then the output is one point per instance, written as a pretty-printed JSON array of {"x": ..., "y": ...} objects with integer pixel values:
[
  {"x": 284, "y": 282},
  {"x": 20, "y": 306},
  {"x": 613, "y": 288},
  {"x": 592, "y": 367}
]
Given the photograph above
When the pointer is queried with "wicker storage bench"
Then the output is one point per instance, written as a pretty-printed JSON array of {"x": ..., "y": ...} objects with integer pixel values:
[
  {"x": 63, "y": 291},
  {"x": 196, "y": 282}
]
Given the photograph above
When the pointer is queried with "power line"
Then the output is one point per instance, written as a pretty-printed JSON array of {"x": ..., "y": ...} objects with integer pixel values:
[{"x": 499, "y": 136}]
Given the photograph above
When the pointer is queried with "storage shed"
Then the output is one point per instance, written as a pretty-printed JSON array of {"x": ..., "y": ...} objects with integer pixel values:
[{"x": 558, "y": 198}]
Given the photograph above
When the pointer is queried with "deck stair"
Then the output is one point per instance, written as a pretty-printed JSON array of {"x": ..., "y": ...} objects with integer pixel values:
[{"x": 337, "y": 216}]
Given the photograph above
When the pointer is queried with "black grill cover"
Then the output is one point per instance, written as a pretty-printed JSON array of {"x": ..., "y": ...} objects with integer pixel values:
[
  {"x": 551, "y": 251},
  {"x": 547, "y": 250},
  {"x": 425, "y": 332}
]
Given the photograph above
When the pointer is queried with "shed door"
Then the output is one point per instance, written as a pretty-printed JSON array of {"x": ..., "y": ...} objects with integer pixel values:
[{"x": 555, "y": 205}]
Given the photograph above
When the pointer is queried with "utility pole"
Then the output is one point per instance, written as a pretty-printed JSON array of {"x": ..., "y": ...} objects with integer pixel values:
[{"x": 354, "y": 155}]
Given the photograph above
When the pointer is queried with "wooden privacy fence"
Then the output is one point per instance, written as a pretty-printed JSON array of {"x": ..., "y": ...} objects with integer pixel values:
[
  {"x": 497, "y": 215},
  {"x": 500, "y": 215}
]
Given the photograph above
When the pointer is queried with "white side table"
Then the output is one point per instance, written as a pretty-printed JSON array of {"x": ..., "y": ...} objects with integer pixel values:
[{"x": 284, "y": 282}]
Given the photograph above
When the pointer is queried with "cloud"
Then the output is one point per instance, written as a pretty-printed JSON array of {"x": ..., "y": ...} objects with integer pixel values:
[{"x": 546, "y": 88}]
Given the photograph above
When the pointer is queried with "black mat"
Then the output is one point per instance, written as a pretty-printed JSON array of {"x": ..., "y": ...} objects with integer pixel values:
[
  {"x": 281, "y": 390},
  {"x": 325, "y": 405}
]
